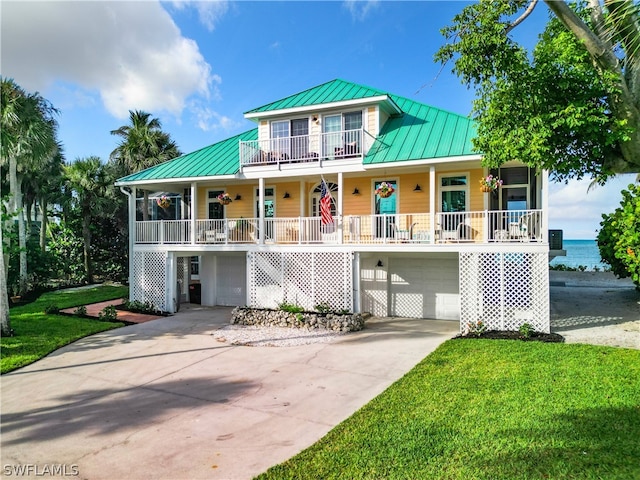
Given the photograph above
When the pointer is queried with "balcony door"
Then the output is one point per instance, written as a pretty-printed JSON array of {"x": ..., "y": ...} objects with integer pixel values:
[{"x": 290, "y": 139}]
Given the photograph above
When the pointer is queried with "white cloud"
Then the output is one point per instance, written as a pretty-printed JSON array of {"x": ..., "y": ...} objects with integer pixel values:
[
  {"x": 210, "y": 120},
  {"x": 131, "y": 53},
  {"x": 577, "y": 209},
  {"x": 209, "y": 11},
  {"x": 360, "y": 9}
]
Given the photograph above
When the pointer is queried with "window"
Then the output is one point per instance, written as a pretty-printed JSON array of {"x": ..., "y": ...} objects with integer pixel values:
[
  {"x": 290, "y": 138},
  {"x": 342, "y": 134},
  {"x": 215, "y": 208},
  {"x": 454, "y": 195}
]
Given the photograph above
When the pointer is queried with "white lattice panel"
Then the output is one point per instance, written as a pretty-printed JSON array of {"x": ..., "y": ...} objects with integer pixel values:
[
  {"x": 504, "y": 290},
  {"x": 149, "y": 278},
  {"x": 305, "y": 279}
]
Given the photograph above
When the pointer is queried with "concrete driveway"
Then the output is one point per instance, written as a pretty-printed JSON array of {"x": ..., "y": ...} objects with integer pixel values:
[{"x": 165, "y": 400}]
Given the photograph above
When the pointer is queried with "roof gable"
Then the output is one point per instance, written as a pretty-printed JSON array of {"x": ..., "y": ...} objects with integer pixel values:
[{"x": 335, "y": 91}]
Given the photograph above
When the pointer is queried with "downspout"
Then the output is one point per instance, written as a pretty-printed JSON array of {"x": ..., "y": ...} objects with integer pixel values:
[{"x": 131, "y": 225}]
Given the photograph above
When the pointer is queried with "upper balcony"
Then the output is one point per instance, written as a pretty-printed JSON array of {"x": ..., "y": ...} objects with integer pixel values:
[
  {"x": 484, "y": 227},
  {"x": 305, "y": 148}
]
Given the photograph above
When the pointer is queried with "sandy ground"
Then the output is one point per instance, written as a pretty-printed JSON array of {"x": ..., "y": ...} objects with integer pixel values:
[{"x": 595, "y": 308}]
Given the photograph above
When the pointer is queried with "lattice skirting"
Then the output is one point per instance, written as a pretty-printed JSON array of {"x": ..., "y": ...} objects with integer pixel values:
[
  {"x": 504, "y": 290},
  {"x": 305, "y": 279},
  {"x": 149, "y": 277}
]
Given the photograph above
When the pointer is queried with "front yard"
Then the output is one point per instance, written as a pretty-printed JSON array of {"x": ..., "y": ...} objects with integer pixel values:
[
  {"x": 37, "y": 333},
  {"x": 492, "y": 409}
]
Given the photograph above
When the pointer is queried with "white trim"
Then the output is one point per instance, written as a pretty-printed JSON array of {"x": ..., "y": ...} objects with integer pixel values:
[
  {"x": 425, "y": 161},
  {"x": 325, "y": 106}
]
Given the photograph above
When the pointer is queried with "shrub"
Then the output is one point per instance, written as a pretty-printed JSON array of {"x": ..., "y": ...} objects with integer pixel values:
[
  {"x": 525, "y": 330},
  {"x": 108, "y": 314},
  {"x": 289, "y": 307},
  {"x": 619, "y": 237},
  {"x": 80, "y": 311},
  {"x": 51, "y": 309}
]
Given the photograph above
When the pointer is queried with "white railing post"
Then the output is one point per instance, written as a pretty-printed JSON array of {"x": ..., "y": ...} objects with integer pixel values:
[{"x": 161, "y": 232}]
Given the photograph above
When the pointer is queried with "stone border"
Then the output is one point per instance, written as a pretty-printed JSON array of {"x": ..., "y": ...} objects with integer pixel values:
[{"x": 309, "y": 320}]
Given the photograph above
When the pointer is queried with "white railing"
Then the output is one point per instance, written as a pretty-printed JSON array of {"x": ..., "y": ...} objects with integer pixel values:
[
  {"x": 501, "y": 226},
  {"x": 304, "y": 148},
  {"x": 163, "y": 231}
]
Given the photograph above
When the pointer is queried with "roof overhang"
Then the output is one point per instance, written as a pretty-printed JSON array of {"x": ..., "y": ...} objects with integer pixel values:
[
  {"x": 385, "y": 101},
  {"x": 424, "y": 161}
]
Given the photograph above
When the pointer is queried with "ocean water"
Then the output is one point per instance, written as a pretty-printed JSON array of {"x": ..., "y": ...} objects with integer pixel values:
[{"x": 581, "y": 253}]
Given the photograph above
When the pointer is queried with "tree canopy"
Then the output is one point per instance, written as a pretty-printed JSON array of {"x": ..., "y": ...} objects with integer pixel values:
[{"x": 572, "y": 105}]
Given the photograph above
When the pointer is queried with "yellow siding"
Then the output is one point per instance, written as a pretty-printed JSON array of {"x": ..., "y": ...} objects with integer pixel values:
[
  {"x": 287, "y": 207},
  {"x": 372, "y": 120}
]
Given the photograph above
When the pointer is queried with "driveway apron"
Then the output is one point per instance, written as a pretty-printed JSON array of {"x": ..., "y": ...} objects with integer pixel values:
[{"x": 165, "y": 400}]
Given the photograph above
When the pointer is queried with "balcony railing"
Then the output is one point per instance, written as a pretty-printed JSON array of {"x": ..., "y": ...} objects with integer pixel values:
[
  {"x": 304, "y": 148},
  {"x": 496, "y": 226}
]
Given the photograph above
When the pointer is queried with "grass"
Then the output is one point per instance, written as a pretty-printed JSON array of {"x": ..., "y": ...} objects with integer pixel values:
[
  {"x": 37, "y": 334},
  {"x": 491, "y": 409}
]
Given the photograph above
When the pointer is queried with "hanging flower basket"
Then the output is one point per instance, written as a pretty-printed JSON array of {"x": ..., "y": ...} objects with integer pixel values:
[
  {"x": 385, "y": 190},
  {"x": 163, "y": 202},
  {"x": 224, "y": 198},
  {"x": 490, "y": 183}
]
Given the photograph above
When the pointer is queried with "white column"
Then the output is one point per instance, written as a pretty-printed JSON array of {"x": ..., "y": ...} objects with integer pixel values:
[
  {"x": 432, "y": 202},
  {"x": 357, "y": 302},
  {"x": 193, "y": 211},
  {"x": 132, "y": 235},
  {"x": 339, "y": 208},
  {"x": 261, "y": 210},
  {"x": 545, "y": 206}
]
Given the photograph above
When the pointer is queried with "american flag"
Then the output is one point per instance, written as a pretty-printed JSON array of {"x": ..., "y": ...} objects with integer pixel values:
[{"x": 325, "y": 204}]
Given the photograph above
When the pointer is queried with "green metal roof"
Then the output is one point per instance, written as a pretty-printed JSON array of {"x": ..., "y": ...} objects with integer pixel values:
[
  {"x": 334, "y": 91},
  {"x": 422, "y": 132},
  {"x": 221, "y": 158}
]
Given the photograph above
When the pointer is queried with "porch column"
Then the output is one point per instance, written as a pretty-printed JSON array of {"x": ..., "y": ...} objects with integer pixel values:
[
  {"x": 261, "y": 210},
  {"x": 357, "y": 302},
  {"x": 339, "y": 207},
  {"x": 193, "y": 210},
  {"x": 432, "y": 203},
  {"x": 132, "y": 234},
  {"x": 544, "y": 232}
]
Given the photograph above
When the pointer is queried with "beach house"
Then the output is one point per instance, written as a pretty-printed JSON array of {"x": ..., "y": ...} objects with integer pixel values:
[{"x": 352, "y": 198}]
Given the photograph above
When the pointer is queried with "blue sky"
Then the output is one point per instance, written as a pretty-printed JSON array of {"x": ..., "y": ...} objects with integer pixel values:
[{"x": 198, "y": 66}]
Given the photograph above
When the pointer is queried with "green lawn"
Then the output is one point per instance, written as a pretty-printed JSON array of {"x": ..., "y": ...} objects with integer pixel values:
[
  {"x": 492, "y": 409},
  {"x": 37, "y": 334}
]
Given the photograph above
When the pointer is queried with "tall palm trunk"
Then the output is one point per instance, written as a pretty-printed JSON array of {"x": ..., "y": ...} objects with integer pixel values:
[
  {"x": 16, "y": 204},
  {"x": 5, "y": 321},
  {"x": 86, "y": 237},
  {"x": 43, "y": 224}
]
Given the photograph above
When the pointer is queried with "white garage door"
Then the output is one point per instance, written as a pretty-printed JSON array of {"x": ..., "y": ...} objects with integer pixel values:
[
  {"x": 232, "y": 280},
  {"x": 424, "y": 288}
]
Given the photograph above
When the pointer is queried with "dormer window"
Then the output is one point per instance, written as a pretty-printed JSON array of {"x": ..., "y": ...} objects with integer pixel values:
[
  {"x": 343, "y": 134},
  {"x": 291, "y": 137}
]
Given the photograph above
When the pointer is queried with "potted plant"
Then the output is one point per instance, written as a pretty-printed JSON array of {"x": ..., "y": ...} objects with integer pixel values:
[
  {"x": 490, "y": 183},
  {"x": 225, "y": 198},
  {"x": 385, "y": 190},
  {"x": 163, "y": 202}
]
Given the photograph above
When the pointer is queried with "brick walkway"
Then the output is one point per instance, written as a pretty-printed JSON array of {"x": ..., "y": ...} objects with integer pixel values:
[{"x": 94, "y": 309}]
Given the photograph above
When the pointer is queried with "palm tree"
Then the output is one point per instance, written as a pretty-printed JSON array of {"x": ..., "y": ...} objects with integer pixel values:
[
  {"x": 89, "y": 182},
  {"x": 28, "y": 137},
  {"x": 143, "y": 144}
]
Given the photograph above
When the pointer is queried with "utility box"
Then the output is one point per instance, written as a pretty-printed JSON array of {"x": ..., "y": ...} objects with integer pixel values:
[
  {"x": 195, "y": 293},
  {"x": 555, "y": 239}
]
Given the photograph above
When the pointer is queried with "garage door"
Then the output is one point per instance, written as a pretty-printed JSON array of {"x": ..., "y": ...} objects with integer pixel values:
[
  {"x": 232, "y": 280},
  {"x": 424, "y": 288}
]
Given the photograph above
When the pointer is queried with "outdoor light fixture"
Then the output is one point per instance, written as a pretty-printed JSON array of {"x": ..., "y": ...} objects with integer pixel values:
[
  {"x": 238, "y": 197},
  {"x": 418, "y": 188},
  {"x": 356, "y": 192},
  {"x": 286, "y": 195},
  {"x": 379, "y": 264}
]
